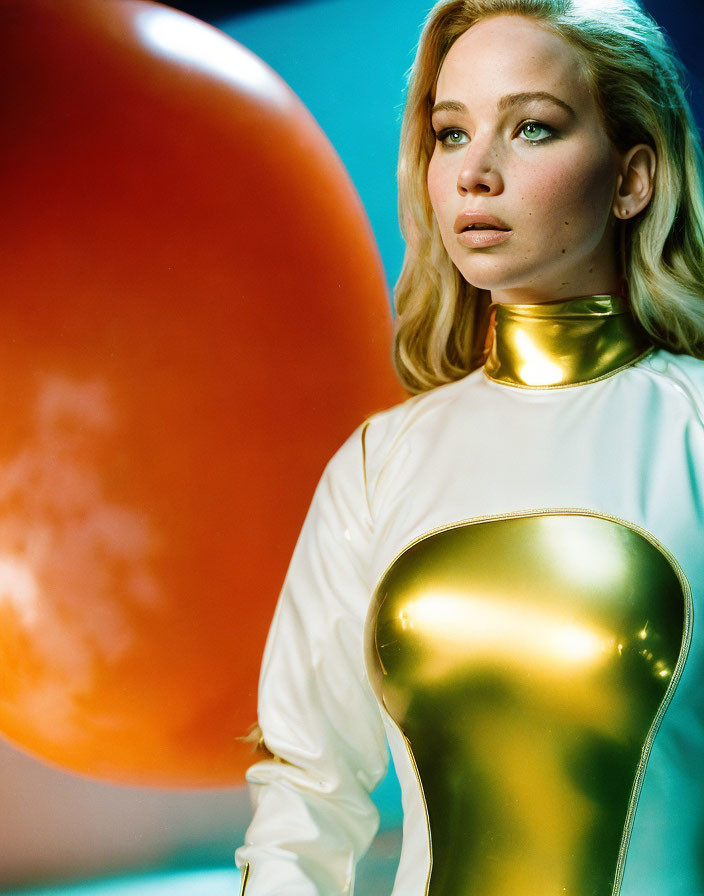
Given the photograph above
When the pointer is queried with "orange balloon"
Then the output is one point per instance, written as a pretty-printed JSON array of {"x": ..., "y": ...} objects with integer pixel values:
[{"x": 194, "y": 318}]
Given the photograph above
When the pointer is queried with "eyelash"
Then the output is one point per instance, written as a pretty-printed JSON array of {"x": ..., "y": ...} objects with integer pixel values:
[{"x": 441, "y": 135}]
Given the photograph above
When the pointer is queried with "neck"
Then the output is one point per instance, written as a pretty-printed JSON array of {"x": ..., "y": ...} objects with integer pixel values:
[{"x": 553, "y": 345}]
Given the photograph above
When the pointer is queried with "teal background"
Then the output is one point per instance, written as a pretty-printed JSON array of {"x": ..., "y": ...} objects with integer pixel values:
[{"x": 211, "y": 882}]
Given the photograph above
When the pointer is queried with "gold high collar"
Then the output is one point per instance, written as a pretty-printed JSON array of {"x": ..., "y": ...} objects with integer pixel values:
[{"x": 553, "y": 345}]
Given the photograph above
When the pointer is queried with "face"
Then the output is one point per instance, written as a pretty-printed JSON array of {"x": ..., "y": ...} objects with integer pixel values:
[{"x": 519, "y": 138}]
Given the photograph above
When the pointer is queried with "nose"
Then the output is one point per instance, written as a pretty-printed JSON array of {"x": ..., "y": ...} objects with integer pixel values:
[{"x": 479, "y": 171}]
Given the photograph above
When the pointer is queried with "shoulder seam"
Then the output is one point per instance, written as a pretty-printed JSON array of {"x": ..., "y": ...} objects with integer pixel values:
[
  {"x": 365, "y": 427},
  {"x": 684, "y": 385}
]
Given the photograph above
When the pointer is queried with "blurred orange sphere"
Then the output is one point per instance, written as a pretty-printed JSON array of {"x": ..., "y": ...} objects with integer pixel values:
[{"x": 194, "y": 317}]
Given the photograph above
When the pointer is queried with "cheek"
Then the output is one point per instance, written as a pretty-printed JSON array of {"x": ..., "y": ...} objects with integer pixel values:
[
  {"x": 437, "y": 190},
  {"x": 583, "y": 182},
  {"x": 577, "y": 191},
  {"x": 432, "y": 187}
]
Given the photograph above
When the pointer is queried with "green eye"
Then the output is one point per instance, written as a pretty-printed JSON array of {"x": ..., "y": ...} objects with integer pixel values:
[
  {"x": 532, "y": 131},
  {"x": 447, "y": 136}
]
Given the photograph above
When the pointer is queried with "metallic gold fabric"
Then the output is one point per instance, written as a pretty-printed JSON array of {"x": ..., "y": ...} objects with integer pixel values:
[
  {"x": 528, "y": 661},
  {"x": 558, "y": 344}
]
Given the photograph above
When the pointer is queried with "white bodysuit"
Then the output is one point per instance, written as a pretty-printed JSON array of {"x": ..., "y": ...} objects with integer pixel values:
[{"x": 567, "y": 434}]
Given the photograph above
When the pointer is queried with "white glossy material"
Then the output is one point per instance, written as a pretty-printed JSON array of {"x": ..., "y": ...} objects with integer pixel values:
[{"x": 630, "y": 446}]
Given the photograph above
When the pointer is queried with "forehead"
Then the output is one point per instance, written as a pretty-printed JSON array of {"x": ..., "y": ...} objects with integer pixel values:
[{"x": 511, "y": 54}]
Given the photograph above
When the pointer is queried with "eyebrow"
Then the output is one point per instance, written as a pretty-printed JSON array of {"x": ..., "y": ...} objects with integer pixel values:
[{"x": 506, "y": 102}]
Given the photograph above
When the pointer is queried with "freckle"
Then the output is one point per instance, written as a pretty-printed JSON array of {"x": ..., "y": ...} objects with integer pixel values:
[
  {"x": 591, "y": 270},
  {"x": 567, "y": 222},
  {"x": 563, "y": 251}
]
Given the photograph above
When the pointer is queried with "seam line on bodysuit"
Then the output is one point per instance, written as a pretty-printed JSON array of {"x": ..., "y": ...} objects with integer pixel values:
[
  {"x": 245, "y": 878},
  {"x": 365, "y": 427}
]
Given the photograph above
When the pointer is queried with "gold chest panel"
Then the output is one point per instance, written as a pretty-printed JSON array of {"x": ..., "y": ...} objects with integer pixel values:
[{"x": 528, "y": 661}]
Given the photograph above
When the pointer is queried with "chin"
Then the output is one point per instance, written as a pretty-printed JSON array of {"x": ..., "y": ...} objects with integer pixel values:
[
  {"x": 488, "y": 280},
  {"x": 493, "y": 273}
]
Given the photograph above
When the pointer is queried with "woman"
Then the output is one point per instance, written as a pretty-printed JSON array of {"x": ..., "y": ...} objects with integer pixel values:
[{"x": 525, "y": 539}]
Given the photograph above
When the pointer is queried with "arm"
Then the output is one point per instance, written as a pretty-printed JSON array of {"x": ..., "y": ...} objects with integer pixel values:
[{"x": 313, "y": 815}]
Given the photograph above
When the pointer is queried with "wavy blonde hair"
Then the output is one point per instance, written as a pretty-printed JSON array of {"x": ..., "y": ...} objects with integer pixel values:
[{"x": 441, "y": 320}]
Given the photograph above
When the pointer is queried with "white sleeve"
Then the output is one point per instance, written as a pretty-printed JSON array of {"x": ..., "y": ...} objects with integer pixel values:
[{"x": 313, "y": 816}]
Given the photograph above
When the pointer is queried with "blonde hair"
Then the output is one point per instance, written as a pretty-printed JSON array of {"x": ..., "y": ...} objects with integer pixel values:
[{"x": 441, "y": 320}]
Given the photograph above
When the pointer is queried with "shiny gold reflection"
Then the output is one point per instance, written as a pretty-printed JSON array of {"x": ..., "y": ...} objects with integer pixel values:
[
  {"x": 526, "y": 660},
  {"x": 558, "y": 344}
]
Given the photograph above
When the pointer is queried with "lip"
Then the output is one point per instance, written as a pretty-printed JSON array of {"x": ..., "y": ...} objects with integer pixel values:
[
  {"x": 478, "y": 239},
  {"x": 465, "y": 219}
]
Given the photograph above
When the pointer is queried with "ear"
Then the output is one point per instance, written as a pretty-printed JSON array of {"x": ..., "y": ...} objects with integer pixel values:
[{"x": 634, "y": 186}]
